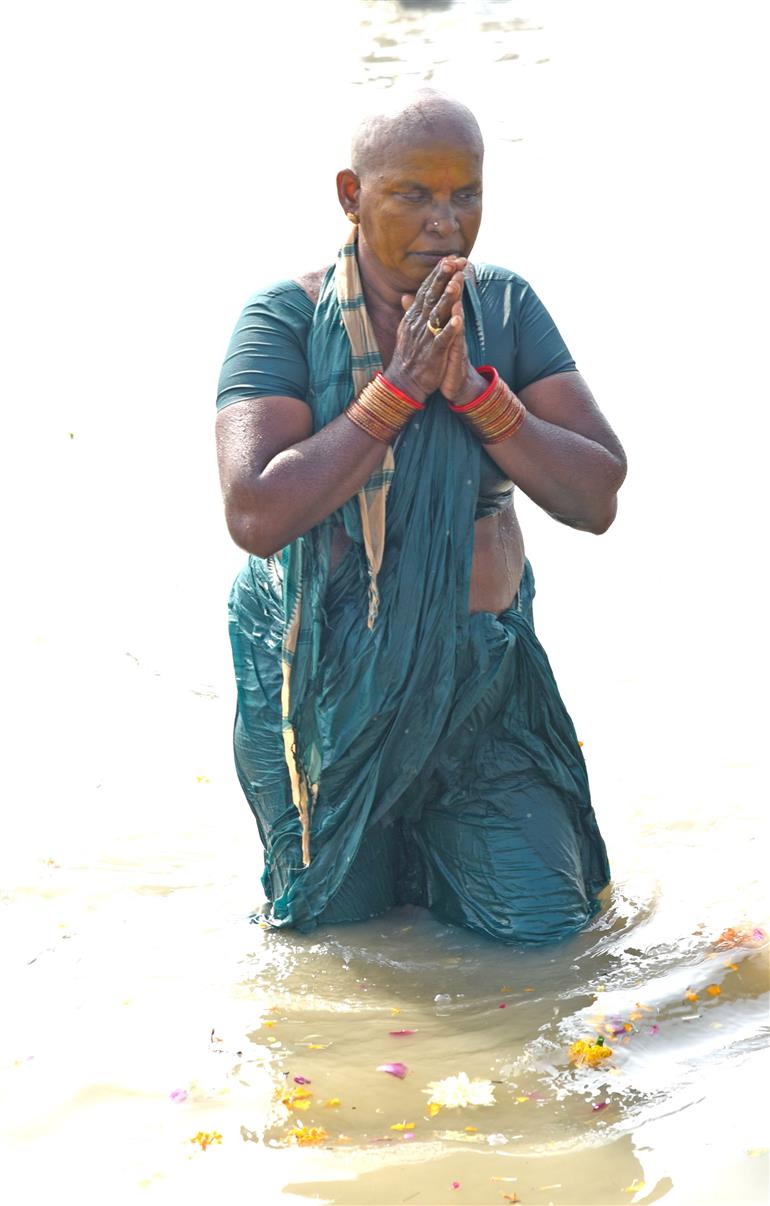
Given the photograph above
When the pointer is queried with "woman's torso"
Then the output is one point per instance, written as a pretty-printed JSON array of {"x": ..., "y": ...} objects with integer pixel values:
[{"x": 498, "y": 546}]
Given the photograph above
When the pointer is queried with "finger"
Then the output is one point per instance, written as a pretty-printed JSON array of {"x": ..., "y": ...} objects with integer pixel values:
[
  {"x": 449, "y": 332},
  {"x": 445, "y": 304},
  {"x": 437, "y": 274}
]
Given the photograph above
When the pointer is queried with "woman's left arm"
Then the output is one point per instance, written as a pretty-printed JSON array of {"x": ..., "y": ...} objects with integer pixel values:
[{"x": 564, "y": 456}]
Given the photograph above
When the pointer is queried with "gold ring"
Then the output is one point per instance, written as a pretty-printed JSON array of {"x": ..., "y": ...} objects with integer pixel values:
[{"x": 433, "y": 330}]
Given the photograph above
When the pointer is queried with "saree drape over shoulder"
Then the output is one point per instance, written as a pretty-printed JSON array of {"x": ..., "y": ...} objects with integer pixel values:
[{"x": 393, "y": 747}]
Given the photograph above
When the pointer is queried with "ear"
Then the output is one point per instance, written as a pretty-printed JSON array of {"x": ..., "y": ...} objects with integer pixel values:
[{"x": 348, "y": 191}]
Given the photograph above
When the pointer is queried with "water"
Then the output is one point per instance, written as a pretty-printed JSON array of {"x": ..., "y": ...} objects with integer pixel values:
[{"x": 141, "y": 1007}]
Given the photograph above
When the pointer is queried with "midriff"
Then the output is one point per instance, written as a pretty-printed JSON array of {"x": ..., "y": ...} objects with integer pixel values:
[{"x": 498, "y": 560}]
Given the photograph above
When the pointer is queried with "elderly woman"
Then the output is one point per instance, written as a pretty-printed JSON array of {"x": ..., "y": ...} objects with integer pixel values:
[{"x": 399, "y": 735}]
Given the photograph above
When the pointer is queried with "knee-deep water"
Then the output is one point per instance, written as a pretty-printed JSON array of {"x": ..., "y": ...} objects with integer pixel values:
[{"x": 157, "y": 1044}]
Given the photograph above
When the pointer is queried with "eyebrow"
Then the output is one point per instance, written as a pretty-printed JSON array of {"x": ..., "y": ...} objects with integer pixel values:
[{"x": 415, "y": 184}]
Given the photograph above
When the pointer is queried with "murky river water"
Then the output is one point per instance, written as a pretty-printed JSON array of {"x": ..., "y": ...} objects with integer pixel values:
[{"x": 158, "y": 1045}]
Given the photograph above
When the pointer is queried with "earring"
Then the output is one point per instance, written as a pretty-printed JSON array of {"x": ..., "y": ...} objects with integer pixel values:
[{"x": 352, "y": 218}]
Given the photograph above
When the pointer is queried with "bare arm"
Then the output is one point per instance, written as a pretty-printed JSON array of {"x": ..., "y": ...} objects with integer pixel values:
[
  {"x": 565, "y": 456},
  {"x": 278, "y": 479}
]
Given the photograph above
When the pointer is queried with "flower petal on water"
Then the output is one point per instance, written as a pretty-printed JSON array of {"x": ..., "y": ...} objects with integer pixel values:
[
  {"x": 394, "y": 1069},
  {"x": 400, "y": 1033},
  {"x": 457, "y": 1091}
]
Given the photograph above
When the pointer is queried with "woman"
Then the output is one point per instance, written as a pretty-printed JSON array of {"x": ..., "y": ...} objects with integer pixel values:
[{"x": 399, "y": 735}]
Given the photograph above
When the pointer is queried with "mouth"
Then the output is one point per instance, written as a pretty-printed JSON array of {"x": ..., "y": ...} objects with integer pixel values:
[{"x": 435, "y": 256}]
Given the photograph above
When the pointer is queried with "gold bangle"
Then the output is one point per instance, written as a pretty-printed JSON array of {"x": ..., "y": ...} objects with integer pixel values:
[
  {"x": 381, "y": 410},
  {"x": 496, "y": 414}
]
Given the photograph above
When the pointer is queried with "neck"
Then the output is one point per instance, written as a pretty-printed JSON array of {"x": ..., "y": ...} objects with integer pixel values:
[{"x": 383, "y": 294}]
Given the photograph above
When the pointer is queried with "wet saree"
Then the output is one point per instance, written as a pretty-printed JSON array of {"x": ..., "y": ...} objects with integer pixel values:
[{"x": 425, "y": 753}]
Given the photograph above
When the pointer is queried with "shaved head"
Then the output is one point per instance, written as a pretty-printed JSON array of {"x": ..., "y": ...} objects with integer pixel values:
[{"x": 421, "y": 116}]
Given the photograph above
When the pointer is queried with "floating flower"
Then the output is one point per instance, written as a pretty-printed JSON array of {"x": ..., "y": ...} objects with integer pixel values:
[
  {"x": 713, "y": 990},
  {"x": 589, "y": 1053},
  {"x": 297, "y": 1099},
  {"x": 306, "y": 1136},
  {"x": 205, "y": 1139},
  {"x": 302, "y": 1080},
  {"x": 402, "y": 1126},
  {"x": 501, "y": 1005},
  {"x": 733, "y": 936},
  {"x": 400, "y": 1033},
  {"x": 178, "y": 1095},
  {"x": 395, "y": 1069},
  {"x": 317, "y": 1046},
  {"x": 331, "y": 1102},
  {"x": 433, "y": 1109},
  {"x": 691, "y": 996},
  {"x": 599, "y": 1105},
  {"x": 460, "y": 1090},
  {"x": 455, "y": 1185},
  {"x": 470, "y": 1130},
  {"x": 654, "y": 1029}
]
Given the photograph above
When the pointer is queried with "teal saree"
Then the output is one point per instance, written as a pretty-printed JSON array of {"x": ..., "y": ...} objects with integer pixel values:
[{"x": 393, "y": 747}]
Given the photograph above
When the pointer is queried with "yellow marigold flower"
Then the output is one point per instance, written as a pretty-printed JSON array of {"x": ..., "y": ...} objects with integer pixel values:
[
  {"x": 305, "y": 1136},
  {"x": 205, "y": 1139},
  {"x": 589, "y": 1053}
]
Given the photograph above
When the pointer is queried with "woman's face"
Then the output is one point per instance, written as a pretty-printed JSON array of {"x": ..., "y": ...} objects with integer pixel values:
[{"x": 420, "y": 202}]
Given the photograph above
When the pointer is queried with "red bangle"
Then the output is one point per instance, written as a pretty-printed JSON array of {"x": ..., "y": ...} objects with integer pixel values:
[
  {"x": 400, "y": 393},
  {"x": 490, "y": 374},
  {"x": 381, "y": 409},
  {"x": 496, "y": 413}
]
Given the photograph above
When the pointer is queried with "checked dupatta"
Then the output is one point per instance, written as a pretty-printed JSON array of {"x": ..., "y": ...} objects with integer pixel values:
[{"x": 365, "y": 363}]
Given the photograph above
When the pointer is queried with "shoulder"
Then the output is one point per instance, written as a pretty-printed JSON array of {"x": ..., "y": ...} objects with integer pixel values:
[
  {"x": 310, "y": 282},
  {"x": 491, "y": 278}
]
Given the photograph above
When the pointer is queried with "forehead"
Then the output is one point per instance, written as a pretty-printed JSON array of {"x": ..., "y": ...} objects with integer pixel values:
[{"x": 419, "y": 156}]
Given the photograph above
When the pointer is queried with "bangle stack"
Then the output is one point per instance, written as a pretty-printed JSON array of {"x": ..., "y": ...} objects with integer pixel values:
[
  {"x": 496, "y": 414},
  {"x": 381, "y": 410}
]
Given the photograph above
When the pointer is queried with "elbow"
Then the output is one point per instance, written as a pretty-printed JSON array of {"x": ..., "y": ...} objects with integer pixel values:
[
  {"x": 246, "y": 525},
  {"x": 250, "y": 535},
  {"x": 604, "y": 518},
  {"x": 604, "y": 515}
]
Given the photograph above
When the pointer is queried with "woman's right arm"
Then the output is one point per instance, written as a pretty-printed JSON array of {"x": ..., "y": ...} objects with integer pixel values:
[{"x": 278, "y": 479}]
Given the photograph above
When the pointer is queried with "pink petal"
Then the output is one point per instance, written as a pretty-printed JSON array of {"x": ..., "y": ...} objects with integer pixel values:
[
  {"x": 455, "y": 1185},
  {"x": 178, "y": 1095},
  {"x": 758, "y": 934},
  {"x": 654, "y": 1029},
  {"x": 600, "y": 1105},
  {"x": 302, "y": 1080},
  {"x": 401, "y": 1033},
  {"x": 501, "y": 1005},
  {"x": 399, "y": 1070}
]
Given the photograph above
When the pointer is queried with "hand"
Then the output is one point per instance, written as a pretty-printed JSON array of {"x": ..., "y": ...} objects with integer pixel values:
[
  {"x": 460, "y": 382},
  {"x": 419, "y": 360}
]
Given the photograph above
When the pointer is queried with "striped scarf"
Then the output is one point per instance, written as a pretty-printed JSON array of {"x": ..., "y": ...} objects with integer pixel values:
[{"x": 365, "y": 363}]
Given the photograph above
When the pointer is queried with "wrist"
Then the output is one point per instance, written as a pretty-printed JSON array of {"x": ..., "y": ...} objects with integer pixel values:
[
  {"x": 400, "y": 380},
  {"x": 495, "y": 414},
  {"x": 473, "y": 386},
  {"x": 382, "y": 409}
]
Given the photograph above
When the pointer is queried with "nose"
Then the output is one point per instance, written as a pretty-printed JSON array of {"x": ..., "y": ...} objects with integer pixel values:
[{"x": 443, "y": 220}]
